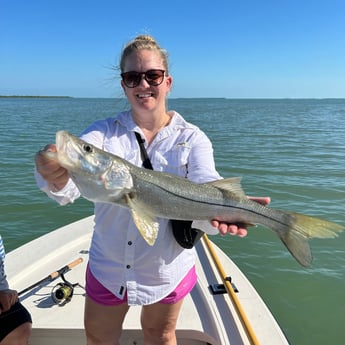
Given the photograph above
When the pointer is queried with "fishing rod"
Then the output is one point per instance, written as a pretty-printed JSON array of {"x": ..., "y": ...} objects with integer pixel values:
[
  {"x": 52, "y": 276},
  {"x": 230, "y": 290}
]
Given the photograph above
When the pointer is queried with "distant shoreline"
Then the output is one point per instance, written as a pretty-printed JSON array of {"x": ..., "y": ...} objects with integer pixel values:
[
  {"x": 192, "y": 98},
  {"x": 14, "y": 96}
]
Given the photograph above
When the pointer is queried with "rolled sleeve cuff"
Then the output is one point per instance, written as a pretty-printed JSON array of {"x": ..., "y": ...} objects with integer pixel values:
[{"x": 64, "y": 196}]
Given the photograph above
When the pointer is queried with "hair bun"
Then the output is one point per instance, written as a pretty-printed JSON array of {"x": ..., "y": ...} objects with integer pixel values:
[
  {"x": 143, "y": 42},
  {"x": 146, "y": 38}
]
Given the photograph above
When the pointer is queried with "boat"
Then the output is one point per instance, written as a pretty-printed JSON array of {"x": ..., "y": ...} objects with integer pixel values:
[{"x": 222, "y": 309}]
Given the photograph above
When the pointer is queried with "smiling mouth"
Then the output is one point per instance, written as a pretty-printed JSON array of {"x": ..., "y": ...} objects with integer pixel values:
[{"x": 144, "y": 95}]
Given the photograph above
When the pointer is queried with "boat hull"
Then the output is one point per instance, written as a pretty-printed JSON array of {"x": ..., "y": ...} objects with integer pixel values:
[{"x": 206, "y": 318}]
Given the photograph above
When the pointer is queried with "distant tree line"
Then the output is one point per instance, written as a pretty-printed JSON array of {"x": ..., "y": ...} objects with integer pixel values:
[{"x": 17, "y": 96}]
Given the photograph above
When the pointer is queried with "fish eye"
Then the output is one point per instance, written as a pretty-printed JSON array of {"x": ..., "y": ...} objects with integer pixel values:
[{"x": 88, "y": 148}]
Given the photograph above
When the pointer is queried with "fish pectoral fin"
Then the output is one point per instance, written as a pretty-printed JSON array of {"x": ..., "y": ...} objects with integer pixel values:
[
  {"x": 147, "y": 226},
  {"x": 144, "y": 220},
  {"x": 232, "y": 185}
]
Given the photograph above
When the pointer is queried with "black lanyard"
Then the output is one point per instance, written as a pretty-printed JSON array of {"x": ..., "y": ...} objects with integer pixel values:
[{"x": 144, "y": 156}]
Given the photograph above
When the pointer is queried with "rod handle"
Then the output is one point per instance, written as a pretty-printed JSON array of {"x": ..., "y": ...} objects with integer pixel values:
[{"x": 66, "y": 268}]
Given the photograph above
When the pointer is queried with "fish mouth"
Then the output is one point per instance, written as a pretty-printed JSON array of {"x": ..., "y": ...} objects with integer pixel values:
[
  {"x": 68, "y": 152},
  {"x": 75, "y": 155},
  {"x": 61, "y": 139}
]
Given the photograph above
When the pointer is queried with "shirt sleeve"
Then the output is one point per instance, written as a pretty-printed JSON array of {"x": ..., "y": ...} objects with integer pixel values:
[
  {"x": 3, "y": 280},
  {"x": 64, "y": 196},
  {"x": 201, "y": 165}
]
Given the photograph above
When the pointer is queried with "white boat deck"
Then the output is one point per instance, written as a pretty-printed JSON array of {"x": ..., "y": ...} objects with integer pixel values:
[{"x": 205, "y": 318}]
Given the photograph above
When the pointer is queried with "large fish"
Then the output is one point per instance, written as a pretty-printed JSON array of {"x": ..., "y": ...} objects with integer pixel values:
[{"x": 104, "y": 177}]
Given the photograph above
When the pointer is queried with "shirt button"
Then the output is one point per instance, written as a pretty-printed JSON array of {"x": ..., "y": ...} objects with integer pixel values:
[
  {"x": 128, "y": 266},
  {"x": 129, "y": 243}
]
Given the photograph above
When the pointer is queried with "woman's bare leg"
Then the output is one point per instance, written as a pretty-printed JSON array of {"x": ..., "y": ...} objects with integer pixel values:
[
  {"x": 159, "y": 323},
  {"x": 103, "y": 324}
]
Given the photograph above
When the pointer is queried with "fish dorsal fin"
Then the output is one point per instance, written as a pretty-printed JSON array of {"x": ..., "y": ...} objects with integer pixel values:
[
  {"x": 144, "y": 220},
  {"x": 232, "y": 185}
]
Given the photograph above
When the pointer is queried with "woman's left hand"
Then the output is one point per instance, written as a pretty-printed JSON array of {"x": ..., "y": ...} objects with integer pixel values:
[
  {"x": 238, "y": 229},
  {"x": 8, "y": 297}
]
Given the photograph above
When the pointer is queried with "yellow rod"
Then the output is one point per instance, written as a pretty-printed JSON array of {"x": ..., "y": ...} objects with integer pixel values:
[{"x": 231, "y": 293}]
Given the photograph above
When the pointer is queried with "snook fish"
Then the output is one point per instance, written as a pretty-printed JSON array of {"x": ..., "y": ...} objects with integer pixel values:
[{"x": 104, "y": 177}]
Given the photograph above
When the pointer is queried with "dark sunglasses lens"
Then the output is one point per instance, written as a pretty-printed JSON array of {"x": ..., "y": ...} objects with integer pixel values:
[
  {"x": 131, "y": 79},
  {"x": 154, "y": 77}
]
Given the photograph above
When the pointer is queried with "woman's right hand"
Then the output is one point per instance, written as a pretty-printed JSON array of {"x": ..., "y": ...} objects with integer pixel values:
[{"x": 49, "y": 168}]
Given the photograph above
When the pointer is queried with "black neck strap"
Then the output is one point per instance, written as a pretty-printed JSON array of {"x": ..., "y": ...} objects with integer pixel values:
[{"x": 144, "y": 156}]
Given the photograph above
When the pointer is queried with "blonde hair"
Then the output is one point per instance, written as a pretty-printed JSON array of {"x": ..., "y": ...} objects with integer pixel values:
[{"x": 143, "y": 42}]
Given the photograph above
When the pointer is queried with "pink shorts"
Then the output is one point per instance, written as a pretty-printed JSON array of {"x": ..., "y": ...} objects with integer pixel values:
[{"x": 99, "y": 294}]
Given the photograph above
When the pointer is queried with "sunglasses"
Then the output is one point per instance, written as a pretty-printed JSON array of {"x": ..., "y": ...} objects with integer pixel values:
[{"x": 154, "y": 77}]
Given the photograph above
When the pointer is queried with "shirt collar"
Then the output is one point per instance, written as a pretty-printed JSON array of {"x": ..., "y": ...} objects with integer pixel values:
[{"x": 177, "y": 122}]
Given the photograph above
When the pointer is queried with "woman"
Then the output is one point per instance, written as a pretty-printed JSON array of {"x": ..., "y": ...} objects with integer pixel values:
[
  {"x": 123, "y": 270},
  {"x": 15, "y": 320}
]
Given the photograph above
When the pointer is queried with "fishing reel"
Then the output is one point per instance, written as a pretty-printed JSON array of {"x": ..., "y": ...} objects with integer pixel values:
[{"x": 62, "y": 293}]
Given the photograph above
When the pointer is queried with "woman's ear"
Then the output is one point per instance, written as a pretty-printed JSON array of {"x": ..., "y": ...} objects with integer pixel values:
[
  {"x": 123, "y": 86},
  {"x": 169, "y": 81}
]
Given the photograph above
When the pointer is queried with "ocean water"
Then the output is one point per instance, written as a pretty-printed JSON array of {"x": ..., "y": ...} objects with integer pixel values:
[{"x": 290, "y": 150}]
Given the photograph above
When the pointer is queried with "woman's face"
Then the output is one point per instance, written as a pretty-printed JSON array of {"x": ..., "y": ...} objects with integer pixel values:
[{"x": 145, "y": 96}]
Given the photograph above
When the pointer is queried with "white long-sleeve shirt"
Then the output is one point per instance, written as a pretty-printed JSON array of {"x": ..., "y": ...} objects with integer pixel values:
[{"x": 120, "y": 258}]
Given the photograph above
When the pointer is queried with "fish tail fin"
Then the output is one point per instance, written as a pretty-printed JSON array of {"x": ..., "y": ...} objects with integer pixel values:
[
  {"x": 301, "y": 228},
  {"x": 298, "y": 246}
]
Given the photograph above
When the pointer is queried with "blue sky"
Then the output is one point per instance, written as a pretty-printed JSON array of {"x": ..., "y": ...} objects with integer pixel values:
[{"x": 232, "y": 49}]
